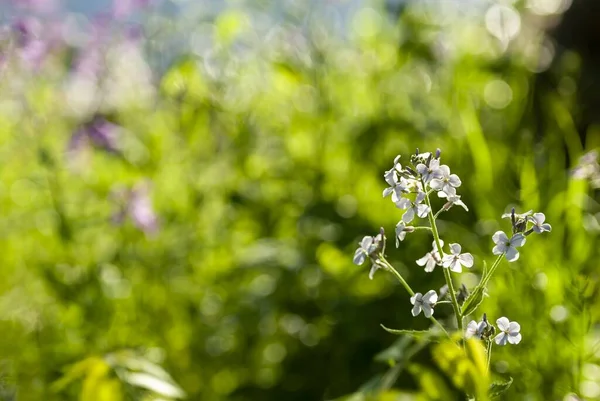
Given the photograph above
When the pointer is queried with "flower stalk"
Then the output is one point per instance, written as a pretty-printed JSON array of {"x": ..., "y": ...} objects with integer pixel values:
[{"x": 447, "y": 276}]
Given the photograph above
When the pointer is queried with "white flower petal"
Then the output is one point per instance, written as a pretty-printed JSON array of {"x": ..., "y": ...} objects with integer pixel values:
[
  {"x": 546, "y": 227},
  {"x": 514, "y": 327},
  {"x": 539, "y": 218},
  {"x": 359, "y": 257},
  {"x": 366, "y": 242},
  {"x": 422, "y": 210},
  {"x": 498, "y": 249},
  {"x": 416, "y": 309},
  {"x": 514, "y": 338},
  {"x": 503, "y": 323},
  {"x": 417, "y": 297},
  {"x": 447, "y": 260},
  {"x": 466, "y": 259},
  {"x": 512, "y": 254},
  {"x": 501, "y": 338},
  {"x": 387, "y": 191},
  {"x": 471, "y": 329},
  {"x": 422, "y": 261},
  {"x": 455, "y": 249},
  {"x": 427, "y": 310},
  {"x": 430, "y": 297},
  {"x": 403, "y": 203},
  {"x": 444, "y": 170},
  {"x": 455, "y": 266},
  {"x": 408, "y": 216},
  {"x": 517, "y": 240},
  {"x": 436, "y": 184},
  {"x": 499, "y": 237},
  {"x": 374, "y": 268},
  {"x": 431, "y": 263},
  {"x": 449, "y": 190},
  {"x": 454, "y": 180}
]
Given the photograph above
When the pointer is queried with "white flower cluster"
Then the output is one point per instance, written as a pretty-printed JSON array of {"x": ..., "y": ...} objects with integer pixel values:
[
  {"x": 508, "y": 331},
  {"x": 410, "y": 188}
]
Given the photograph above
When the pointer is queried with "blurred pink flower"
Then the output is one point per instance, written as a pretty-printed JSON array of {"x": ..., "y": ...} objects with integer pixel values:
[{"x": 135, "y": 203}]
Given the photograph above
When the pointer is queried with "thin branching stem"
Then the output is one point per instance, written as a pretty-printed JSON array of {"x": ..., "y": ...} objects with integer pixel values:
[{"x": 447, "y": 276}]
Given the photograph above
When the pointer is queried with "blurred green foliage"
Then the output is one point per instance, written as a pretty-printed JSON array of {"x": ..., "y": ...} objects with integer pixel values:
[{"x": 266, "y": 165}]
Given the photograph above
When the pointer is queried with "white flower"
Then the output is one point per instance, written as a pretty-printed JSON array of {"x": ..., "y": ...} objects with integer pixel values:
[
  {"x": 475, "y": 329},
  {"x": 413, "y": 208},
  {"x": 424, "y": 302},
  {"x": 452, "y": 200},
  {"x": 456, "y": 260},
  {"x": 430, "y": 172},
  {"x": 508, "y": 246},
  {"x": 367, "y": 246},
  {"x": 397, "y": 185},
  {"x": 431, "y": 259},
  {"x": 400, "y": 232},
  {"x": 509, "y": 332},
  {"x": 446, "y": 182},
  {"x": 538, "y": 223}
]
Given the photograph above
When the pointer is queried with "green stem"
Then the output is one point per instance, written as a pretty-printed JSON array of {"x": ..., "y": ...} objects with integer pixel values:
[
  {"x": 489, "y": 354},
  {"x": 447, "y": 276},
  {"x": 421, "y": 228},
  {"x": 387, "y": 266}
]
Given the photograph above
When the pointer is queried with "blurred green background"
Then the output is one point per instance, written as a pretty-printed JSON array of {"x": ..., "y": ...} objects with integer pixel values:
[{"x": 183, "y": 191}]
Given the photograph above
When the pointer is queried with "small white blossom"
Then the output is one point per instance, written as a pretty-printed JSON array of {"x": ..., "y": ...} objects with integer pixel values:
[
  {"x": 367, "y": 246},
  {"x": 413, "y": 208},
  {"x": 446, "y": 182},
  {"x": 456, "y": 260},
  {"x": 400, "y": 232},
  {"x": 429, "y": 172},
  {"x": 397, "y": 184},
  {"x": 431, "y": 259},
  {"x": 424, "y": 302},
  {"x": 475, "y": 329},
  {"x": 509, "y": 332},
  {"x": 507, "y": 246},
  {"x": 538, "y": 223}
]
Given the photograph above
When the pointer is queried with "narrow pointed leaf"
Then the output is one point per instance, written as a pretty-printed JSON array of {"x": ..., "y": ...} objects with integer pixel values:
[
  {"x": 473, "y": 301},
  {"x": 496, "y": 389}
]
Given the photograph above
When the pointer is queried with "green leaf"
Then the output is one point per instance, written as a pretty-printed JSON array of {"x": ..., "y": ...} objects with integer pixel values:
[
  {"x": 473, "y": 301},
  {"x": 412, "y": 333},
  {"x": 496, "y": 389}
]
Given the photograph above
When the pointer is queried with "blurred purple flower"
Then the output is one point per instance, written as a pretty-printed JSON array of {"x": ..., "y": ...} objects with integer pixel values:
[
  {"x": 135, "y": 203},
  {"x": 98, "y": 132},
  {"x": 31, "y": 49},
  {"x": 124, "y": 8}
]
